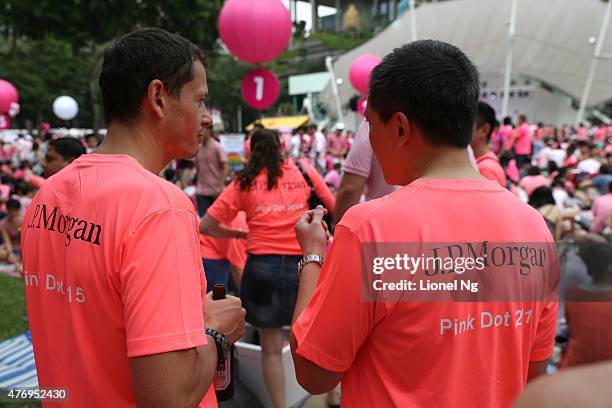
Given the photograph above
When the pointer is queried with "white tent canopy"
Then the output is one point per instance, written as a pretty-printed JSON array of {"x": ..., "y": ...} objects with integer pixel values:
[{"x": 551, "y": 42}]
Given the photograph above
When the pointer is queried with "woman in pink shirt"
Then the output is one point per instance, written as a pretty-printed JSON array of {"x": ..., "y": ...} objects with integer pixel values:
[
  {"x": 533, "y": 180},
  {"x": 274, "y": 194}
]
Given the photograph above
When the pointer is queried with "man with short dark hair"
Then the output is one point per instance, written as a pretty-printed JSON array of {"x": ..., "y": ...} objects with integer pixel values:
[
  {"x": 60, "y": 153},
  {"x": 114, "y": 281},
  {"x": 486, "y": 160},
  {"x": 421, "y": 109}
]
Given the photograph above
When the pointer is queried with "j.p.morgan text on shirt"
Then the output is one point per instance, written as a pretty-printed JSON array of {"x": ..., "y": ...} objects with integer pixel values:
[{"x": 72, "y": 227}]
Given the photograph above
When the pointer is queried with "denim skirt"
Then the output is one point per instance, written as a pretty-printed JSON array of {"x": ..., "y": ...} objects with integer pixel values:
[{"x": 269, "y": 289}]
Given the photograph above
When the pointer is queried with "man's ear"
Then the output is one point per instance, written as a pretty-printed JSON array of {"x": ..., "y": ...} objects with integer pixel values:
[
  {"x": 156, "y": 98},
  {"x": 402, "y": 125}
]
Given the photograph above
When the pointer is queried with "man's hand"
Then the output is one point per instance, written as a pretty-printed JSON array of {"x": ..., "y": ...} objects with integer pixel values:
[
  {"x": 311, "y": 232},
  {"x": 225, "y": 316}
]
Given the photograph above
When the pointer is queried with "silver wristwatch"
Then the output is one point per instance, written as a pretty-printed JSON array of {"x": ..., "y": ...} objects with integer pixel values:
[{"x": 308, "y": 259}]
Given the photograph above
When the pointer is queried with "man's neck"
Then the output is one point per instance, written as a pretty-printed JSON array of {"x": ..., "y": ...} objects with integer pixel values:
[
  {"x": 448, "y": 163},
  {"x": 137, "y": 142}
]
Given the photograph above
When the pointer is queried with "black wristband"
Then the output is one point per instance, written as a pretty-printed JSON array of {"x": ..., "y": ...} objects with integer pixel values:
[{"x": 221, "y": 342}]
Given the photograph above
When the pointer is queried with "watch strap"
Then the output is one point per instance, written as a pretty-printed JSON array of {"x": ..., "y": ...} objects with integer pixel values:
[{"x": 308, "y": 259}]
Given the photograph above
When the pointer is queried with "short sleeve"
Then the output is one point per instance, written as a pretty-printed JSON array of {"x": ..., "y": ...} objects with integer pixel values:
[
  {"x": 35, "y": 181},
  {"x": 222, "y": 155},
  {"x": 359, "y": 159},
  {"x": 544, "y": 341},
  {"x": 336, "y": 321},
  {"x": 319, "y": 185},
  {"x": 161, "y": 285},
  {"x": 487, "y": 173},
  {"x": 226, "y": 206}
]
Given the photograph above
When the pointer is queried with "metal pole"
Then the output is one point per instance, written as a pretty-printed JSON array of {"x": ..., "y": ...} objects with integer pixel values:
[
  {"x": 413, "y": 28},
  {"x": 330, "y": 68},
  {"x": 313, "y": 16},
  {"x": 508, "y": 73},
  {"x": 596, "y": 55}
]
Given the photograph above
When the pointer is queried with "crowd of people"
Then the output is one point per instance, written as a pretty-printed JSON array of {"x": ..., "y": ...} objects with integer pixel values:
[{"x": 285, "y": 234}]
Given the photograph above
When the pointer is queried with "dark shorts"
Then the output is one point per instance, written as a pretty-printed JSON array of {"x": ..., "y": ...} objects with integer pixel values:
[
  {"x": 269, "y": 289},
  {"x": 218, "y": 271},
  {"x": 203, "y": 203}
]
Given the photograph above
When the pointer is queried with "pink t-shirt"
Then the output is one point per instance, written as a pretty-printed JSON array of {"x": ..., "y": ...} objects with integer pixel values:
[
  {"x": 333, "y": 178},
  {"x": 335, "y": 143},
  {"x": 602, "y": 209},
  {"x": 362, "y": 161},
  {"x": 588, "y": 314},
  {"x": 112, "y": 268},
  {"x": 209, "y": 162},
  {"x": 506, "y": 134},
  {"x": 600, "y": 134},
  {"x": 231, "y": 249},
  {"x": 522, "y": 144},
  {"x": 530, "y": 183},
  {"x": 272, "y": 214},
  {"x": 489, "y": 167},
  {"x": 394, "y": 353},
  {"x": 35, "y": 181}
]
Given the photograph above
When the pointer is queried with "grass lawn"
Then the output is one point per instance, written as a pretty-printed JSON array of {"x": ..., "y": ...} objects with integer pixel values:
[
  {"x": 12, "y": 307},
  {"x": 12, "y": 311}
]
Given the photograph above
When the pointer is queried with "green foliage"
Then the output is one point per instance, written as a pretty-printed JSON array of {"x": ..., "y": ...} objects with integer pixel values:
[
  {"x": 44, "y": 69},
  {"x": 12, "y": 323},
  {"x": 339, "y": 41},
  {"x": 51, "y": 47}
]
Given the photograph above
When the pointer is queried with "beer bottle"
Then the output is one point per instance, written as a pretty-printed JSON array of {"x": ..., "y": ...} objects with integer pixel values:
[{"x": 224, "y": 380}]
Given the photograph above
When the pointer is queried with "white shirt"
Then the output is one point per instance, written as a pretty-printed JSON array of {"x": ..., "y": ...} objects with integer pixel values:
[
  {"x": 590, "y": 166},
  {"x": 295, "y": 146}
]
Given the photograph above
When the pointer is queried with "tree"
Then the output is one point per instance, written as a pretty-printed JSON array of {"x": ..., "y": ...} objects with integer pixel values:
[{"x": 81, "y": 30}]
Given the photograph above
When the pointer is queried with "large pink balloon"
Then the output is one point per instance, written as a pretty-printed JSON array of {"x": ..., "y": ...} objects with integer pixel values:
[
  {"x": 360, "y": 71},
  {"x": 255, "y": 31},
  {"x": 260, "y": 88},
  {"x": 8, "y": 95}
]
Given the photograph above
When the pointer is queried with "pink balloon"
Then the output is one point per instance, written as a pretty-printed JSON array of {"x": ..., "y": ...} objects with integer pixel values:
[
  {"x": 255, "y": 31},
  {"x": 8, "y": 95},
  {"x": 360, "y": 71},
  {"x": 260, "y": 88}
]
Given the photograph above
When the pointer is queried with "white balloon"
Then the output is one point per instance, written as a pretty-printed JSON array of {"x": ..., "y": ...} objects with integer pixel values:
[{"x": 65, "y": 107}]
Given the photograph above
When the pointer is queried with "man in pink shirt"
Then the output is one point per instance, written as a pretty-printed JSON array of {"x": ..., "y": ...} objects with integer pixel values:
[
  {"x": 602, "y": 210},
  {"x": 113, "y": 275},
  {"x": 336, "y": 143},
  {"x": 522, "y": 142},
  {"x": 361, "y": 174},
  {"x": 211, "y": 164},
  {"x": 533, "y": 180},
  {"x": 406, "y": 353},
  {"x": 486, "y": 160},
  {"x": 60, "y": 153}
]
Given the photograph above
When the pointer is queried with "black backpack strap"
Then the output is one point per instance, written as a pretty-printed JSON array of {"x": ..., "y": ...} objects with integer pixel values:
[{"x": 304, "y": 174}]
